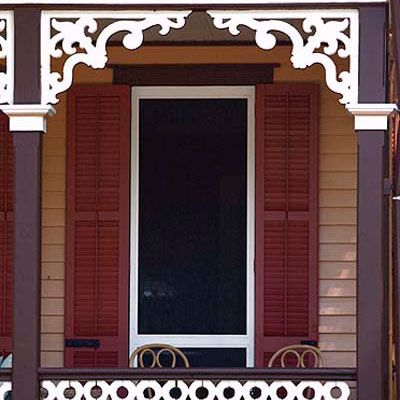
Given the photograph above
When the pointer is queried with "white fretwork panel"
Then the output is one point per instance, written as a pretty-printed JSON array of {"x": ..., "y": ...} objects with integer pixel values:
[
  {"x": 6, "y": 54},
  {"x": 317, "y": 36},
  {"x": 180, "y": 390},
  {"x": 82, "y": 38}
]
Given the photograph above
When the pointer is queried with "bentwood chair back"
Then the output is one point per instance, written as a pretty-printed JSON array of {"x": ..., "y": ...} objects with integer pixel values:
[
  {"x": 302, "y": 353},
  {"x": 155, "y": 352}
]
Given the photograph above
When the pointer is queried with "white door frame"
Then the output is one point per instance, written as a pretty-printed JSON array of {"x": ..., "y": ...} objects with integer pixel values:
[{"x": 212, "y": 341}]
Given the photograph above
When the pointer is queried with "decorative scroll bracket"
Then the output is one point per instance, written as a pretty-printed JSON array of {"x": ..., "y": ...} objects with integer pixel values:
[
  {"x": 324, "y": 35},
  {"x": 77, "y": 37},
  {"x": 7, "y": 54}
]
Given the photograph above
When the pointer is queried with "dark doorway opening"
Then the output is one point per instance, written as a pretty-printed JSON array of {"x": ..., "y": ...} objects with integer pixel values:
[{"x": 192, "y": 217}]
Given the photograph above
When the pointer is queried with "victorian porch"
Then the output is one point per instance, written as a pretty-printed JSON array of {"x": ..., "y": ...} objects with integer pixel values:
[{"x": 203, "y": 188}]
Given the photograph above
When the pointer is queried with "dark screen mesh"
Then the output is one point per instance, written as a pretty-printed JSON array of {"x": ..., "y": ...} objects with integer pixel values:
[{"x": 192, "y": 217}]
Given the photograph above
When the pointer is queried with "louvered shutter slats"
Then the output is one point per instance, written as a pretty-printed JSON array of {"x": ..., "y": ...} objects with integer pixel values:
[
  {"x": 98, "y": 223},
  {"x": 286, "y": 216}
]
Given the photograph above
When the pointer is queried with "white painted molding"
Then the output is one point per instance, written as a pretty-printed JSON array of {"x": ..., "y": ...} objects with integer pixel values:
[
  {"x": 7, "y": 54},
  {"x": 325, "y": 34},
  {"x": 28, "y": 117},
  {"x": 371, "y": 116},
  {"x": 63, "y": 33}
]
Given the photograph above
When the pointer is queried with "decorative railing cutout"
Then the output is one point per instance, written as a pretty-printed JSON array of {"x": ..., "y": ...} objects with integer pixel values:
[
  {"x": 82, "y": 39},
  {"x": 317, "y": 36},
  {"x": 5, "y": 390},
  {"x": 195, "y": 390}
]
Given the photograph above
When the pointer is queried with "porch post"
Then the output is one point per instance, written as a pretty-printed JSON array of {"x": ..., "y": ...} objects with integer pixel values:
[
  {"x": 372, "y": 234},
  {"x": 27, "y": 208},
  {"x": 395, "y": 12}
]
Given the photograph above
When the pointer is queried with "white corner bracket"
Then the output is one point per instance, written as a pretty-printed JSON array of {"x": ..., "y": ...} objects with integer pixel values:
[
  {"x": 82, "y": 37},
  {"x": 28, "y": 117},
  {"x": 318, "y": 36},
  {"x": 371, "y": 117}
]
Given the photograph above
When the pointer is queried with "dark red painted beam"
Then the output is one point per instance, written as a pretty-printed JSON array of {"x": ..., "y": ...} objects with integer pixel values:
[{"x": 323, "y": 374}]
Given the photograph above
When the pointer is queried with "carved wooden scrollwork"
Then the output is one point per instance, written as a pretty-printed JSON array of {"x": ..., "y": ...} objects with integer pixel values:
[
  {"x": 82, "y": 38},
  {"x": 323, "y": 37}
]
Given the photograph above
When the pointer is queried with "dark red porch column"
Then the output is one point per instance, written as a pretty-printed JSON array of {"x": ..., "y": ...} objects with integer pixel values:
[
  {"x": 372, "y": 235},
  {"x": 27, "y": 218}
]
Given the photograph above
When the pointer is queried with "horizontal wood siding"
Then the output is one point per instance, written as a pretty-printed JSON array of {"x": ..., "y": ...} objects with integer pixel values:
[
  {"x": 337, "y": 211},
  {"x": 337, "y": 234}
]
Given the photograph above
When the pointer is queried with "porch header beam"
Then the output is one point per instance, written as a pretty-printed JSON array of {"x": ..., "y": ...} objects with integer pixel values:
[{"x": 190, "y": 2}]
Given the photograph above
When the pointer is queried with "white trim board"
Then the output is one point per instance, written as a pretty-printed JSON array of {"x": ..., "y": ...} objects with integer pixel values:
[{"x": 212, "y": 341}]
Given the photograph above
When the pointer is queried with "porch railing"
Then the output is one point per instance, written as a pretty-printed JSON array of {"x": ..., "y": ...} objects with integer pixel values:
[{"x": 197, "y": 384}]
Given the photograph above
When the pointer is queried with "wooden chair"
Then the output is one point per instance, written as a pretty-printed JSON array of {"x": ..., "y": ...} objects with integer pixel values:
[
  {"x": 300, "y": 352},
  {"x": 155, "y": 350}
]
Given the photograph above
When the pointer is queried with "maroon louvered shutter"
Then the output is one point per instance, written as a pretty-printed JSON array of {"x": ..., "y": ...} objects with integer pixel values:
[
  {"x": 6, "y": 233},
  {"x": 97, "y": 275},
  {"x": 286, "y": 217}
]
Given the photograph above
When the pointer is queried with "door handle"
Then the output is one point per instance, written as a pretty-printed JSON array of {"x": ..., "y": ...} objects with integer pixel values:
[{"x": 78, "y": 343}]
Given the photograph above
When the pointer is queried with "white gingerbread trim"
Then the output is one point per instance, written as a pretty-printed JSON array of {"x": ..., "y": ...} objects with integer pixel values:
[
  {"x": 371, "y": 117},
  {"x": 76, "y": 27},
  {"x": 328, "y": 34},
  {"x": 7, "y": 54},
  {"x": 28, "y": 117}
]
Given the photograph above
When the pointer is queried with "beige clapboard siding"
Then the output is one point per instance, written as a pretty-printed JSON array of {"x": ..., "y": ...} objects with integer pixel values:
[
  {"x": 337, "y": 252},
  {"x": 333, "y": 306},
  {"x": 337, "y": 213},
  {"x": 338, "y": 342},
  {"x": 341, "y": 216},
  {"x": 52, "y": 358},
  {"x": 53, "y": 241},
  {"x": 338, "y": 163},
  {"x": 338, "y": 234},
  {"x": 337, "y": 270},
  {"x": 54, "y": 306},
  {"x": 337, "y": 288},
  {"x": 337, "y": 324},
  {"x": 338, "y": 182},
  {"x": 340, "y": 359},
  {"x": 335, "y": 180},
  {"x": 52, "y": 324},
  {"x": 52, "y": 341}
]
